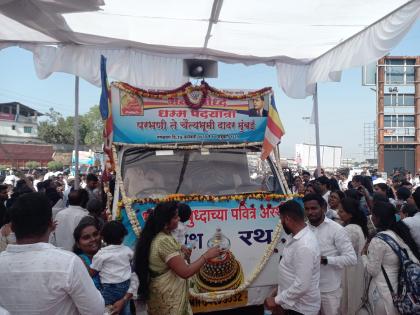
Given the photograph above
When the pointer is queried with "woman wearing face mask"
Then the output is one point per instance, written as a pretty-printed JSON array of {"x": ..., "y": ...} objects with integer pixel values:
[{"x": 378, "y": 253}]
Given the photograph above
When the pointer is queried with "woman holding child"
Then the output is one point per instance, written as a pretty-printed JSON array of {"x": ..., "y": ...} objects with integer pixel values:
[{"x": 87, "y": 244}]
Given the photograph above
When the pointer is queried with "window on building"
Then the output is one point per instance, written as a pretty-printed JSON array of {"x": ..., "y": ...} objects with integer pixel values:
[
  {"x": 399, "y": 139},
  {"x": 410, "y": 70},
  {"x": 395, "y": 99},
  {"x": 390, "y": 121},
  {"x": 27, "y": 129},
  {"x": 400, "y": 72},
  {"x": 407, "y": 139},
  {"x": 399, "y": 121},
  {"x": 408, "y": 120},
  {"x": 399, "y": 147},
  {"x": 408, "y": 99}
]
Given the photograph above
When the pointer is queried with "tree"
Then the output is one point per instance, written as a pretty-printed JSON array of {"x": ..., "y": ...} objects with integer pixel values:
[
  {"x": 55, "y": 166},
  {"x": 94, "y": 126},
  {"x": 57, "y": 129},
  {"x": 32, "y": 164}
]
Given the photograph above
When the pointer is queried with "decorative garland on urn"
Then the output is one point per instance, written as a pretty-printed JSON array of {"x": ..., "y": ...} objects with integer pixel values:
[{"x": 209, "y": 296}]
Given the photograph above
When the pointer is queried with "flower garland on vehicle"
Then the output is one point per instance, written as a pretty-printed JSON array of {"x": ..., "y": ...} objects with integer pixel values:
[
  {"x": 240, "y": 198},
  {"x": 127, "y": 203},
  {"x": 187, "y": 90},
  {"x": 131, "y": 214}
]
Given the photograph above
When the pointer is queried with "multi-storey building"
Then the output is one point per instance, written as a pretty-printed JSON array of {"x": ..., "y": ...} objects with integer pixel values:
[
  {"x": 398, "y": 113},
  {"x": 18, "y": 123},
  {"x": 19, "y": 142}
]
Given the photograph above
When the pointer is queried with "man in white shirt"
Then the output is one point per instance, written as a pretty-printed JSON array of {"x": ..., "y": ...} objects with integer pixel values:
[
  {"x": 11, "y": 179},
  {"x": 38, "y": 278},
  {"x": 68, "y": 219},
  {"x": 336, "y": 252},
  {"x": 298, "y": 288}
]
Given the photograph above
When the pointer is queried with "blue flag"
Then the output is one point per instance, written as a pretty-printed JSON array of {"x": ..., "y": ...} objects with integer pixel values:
[{"x": 103, "y": 103}]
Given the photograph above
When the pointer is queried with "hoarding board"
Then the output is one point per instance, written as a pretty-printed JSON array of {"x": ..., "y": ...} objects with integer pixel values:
[
  {"x": 305, "y": 156},
  {"x": 169, "y": 119}
]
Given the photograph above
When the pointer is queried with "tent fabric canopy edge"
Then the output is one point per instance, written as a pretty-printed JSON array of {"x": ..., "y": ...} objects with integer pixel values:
[{"x": 145, "y": 67}]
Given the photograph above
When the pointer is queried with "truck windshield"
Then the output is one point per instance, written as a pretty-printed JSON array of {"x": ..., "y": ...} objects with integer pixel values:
[{"x": 157, "y": 173}]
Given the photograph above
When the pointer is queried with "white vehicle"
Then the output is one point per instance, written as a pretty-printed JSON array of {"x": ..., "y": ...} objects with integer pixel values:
[{"x": 166, "y": 150}]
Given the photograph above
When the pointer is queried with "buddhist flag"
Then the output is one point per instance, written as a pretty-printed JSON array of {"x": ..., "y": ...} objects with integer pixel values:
[
  {"x": 106, "y": 113},
  {"x": 274, "y": 130}
]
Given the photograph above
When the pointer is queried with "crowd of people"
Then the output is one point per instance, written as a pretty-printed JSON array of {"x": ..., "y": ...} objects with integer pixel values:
[
  {"x": 61, "y": 253},
  {"x": 346, "y": 246}
]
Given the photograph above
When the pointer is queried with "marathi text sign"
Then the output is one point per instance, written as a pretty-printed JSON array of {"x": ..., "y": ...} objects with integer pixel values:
[
  {"x": 138, "y": 119},
  {"x": 248, "y": 225}
]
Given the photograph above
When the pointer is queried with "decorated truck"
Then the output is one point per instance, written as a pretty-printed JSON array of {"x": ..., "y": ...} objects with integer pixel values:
[{"x": 217, "y": 152}]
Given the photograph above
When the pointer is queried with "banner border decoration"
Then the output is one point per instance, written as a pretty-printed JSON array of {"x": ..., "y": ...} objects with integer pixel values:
[
  {"x": 127, "y": 203},
  {"x": 186, "y": 89}
]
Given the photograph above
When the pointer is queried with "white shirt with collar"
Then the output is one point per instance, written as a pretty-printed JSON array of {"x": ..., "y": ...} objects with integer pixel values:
[
  {"x": 336, "y": 246},
  {"x": 414, "y": 224},
  {"x": 299, "y": 274},
  {"x": 42, "y": 279},
  {"x": 67, "y": 221},
  {"x": 113, "y": 263}
]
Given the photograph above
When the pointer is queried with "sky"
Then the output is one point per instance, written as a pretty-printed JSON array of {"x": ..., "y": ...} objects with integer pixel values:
[{"x": 344, "y": 107}]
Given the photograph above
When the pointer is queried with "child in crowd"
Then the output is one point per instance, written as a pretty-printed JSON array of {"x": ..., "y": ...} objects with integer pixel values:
[
  {"x": 113, "y": 263},
  {"x": 184, "y": 213}
]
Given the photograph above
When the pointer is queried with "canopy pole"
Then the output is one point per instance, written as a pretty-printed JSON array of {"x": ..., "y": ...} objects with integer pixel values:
[
  {"x": 318, "y": 147},
  {"x": 76, "y": 133}
]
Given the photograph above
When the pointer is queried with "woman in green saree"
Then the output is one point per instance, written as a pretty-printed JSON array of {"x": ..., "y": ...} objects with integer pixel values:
[{"x": 160, "y": 264}]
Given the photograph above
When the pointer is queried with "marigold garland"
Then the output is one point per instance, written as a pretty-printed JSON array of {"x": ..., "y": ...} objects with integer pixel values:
[
  {"x": 210, "y": 296},
  {"x": 186, "y": 89},
  {"x": 241, "y": 197}
]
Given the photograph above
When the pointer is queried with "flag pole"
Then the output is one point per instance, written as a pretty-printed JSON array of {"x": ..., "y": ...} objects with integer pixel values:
[
  {"x": 318, "y": 147},
  {"x": 76, "y": 133}
]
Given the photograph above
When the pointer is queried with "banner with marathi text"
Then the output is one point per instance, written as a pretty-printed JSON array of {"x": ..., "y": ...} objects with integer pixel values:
[
  {"x": 244, "y": 227},
  {"x": 189, "y": 114}
]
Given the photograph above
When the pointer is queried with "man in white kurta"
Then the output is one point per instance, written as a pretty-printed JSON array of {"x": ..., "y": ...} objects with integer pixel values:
[{"x": 336, "y": 252}]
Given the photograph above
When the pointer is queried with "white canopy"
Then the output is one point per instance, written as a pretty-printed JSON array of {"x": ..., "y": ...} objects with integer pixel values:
[{"x": 145, "y": 41}]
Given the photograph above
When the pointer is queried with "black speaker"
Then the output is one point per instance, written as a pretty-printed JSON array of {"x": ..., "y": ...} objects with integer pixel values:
[{"x": 200, "y": 68}]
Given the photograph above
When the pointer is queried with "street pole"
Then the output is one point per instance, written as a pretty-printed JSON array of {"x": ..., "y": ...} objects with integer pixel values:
[
  {"x": 318, "y": 147},
  {"x": 76, "y": 133}
]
